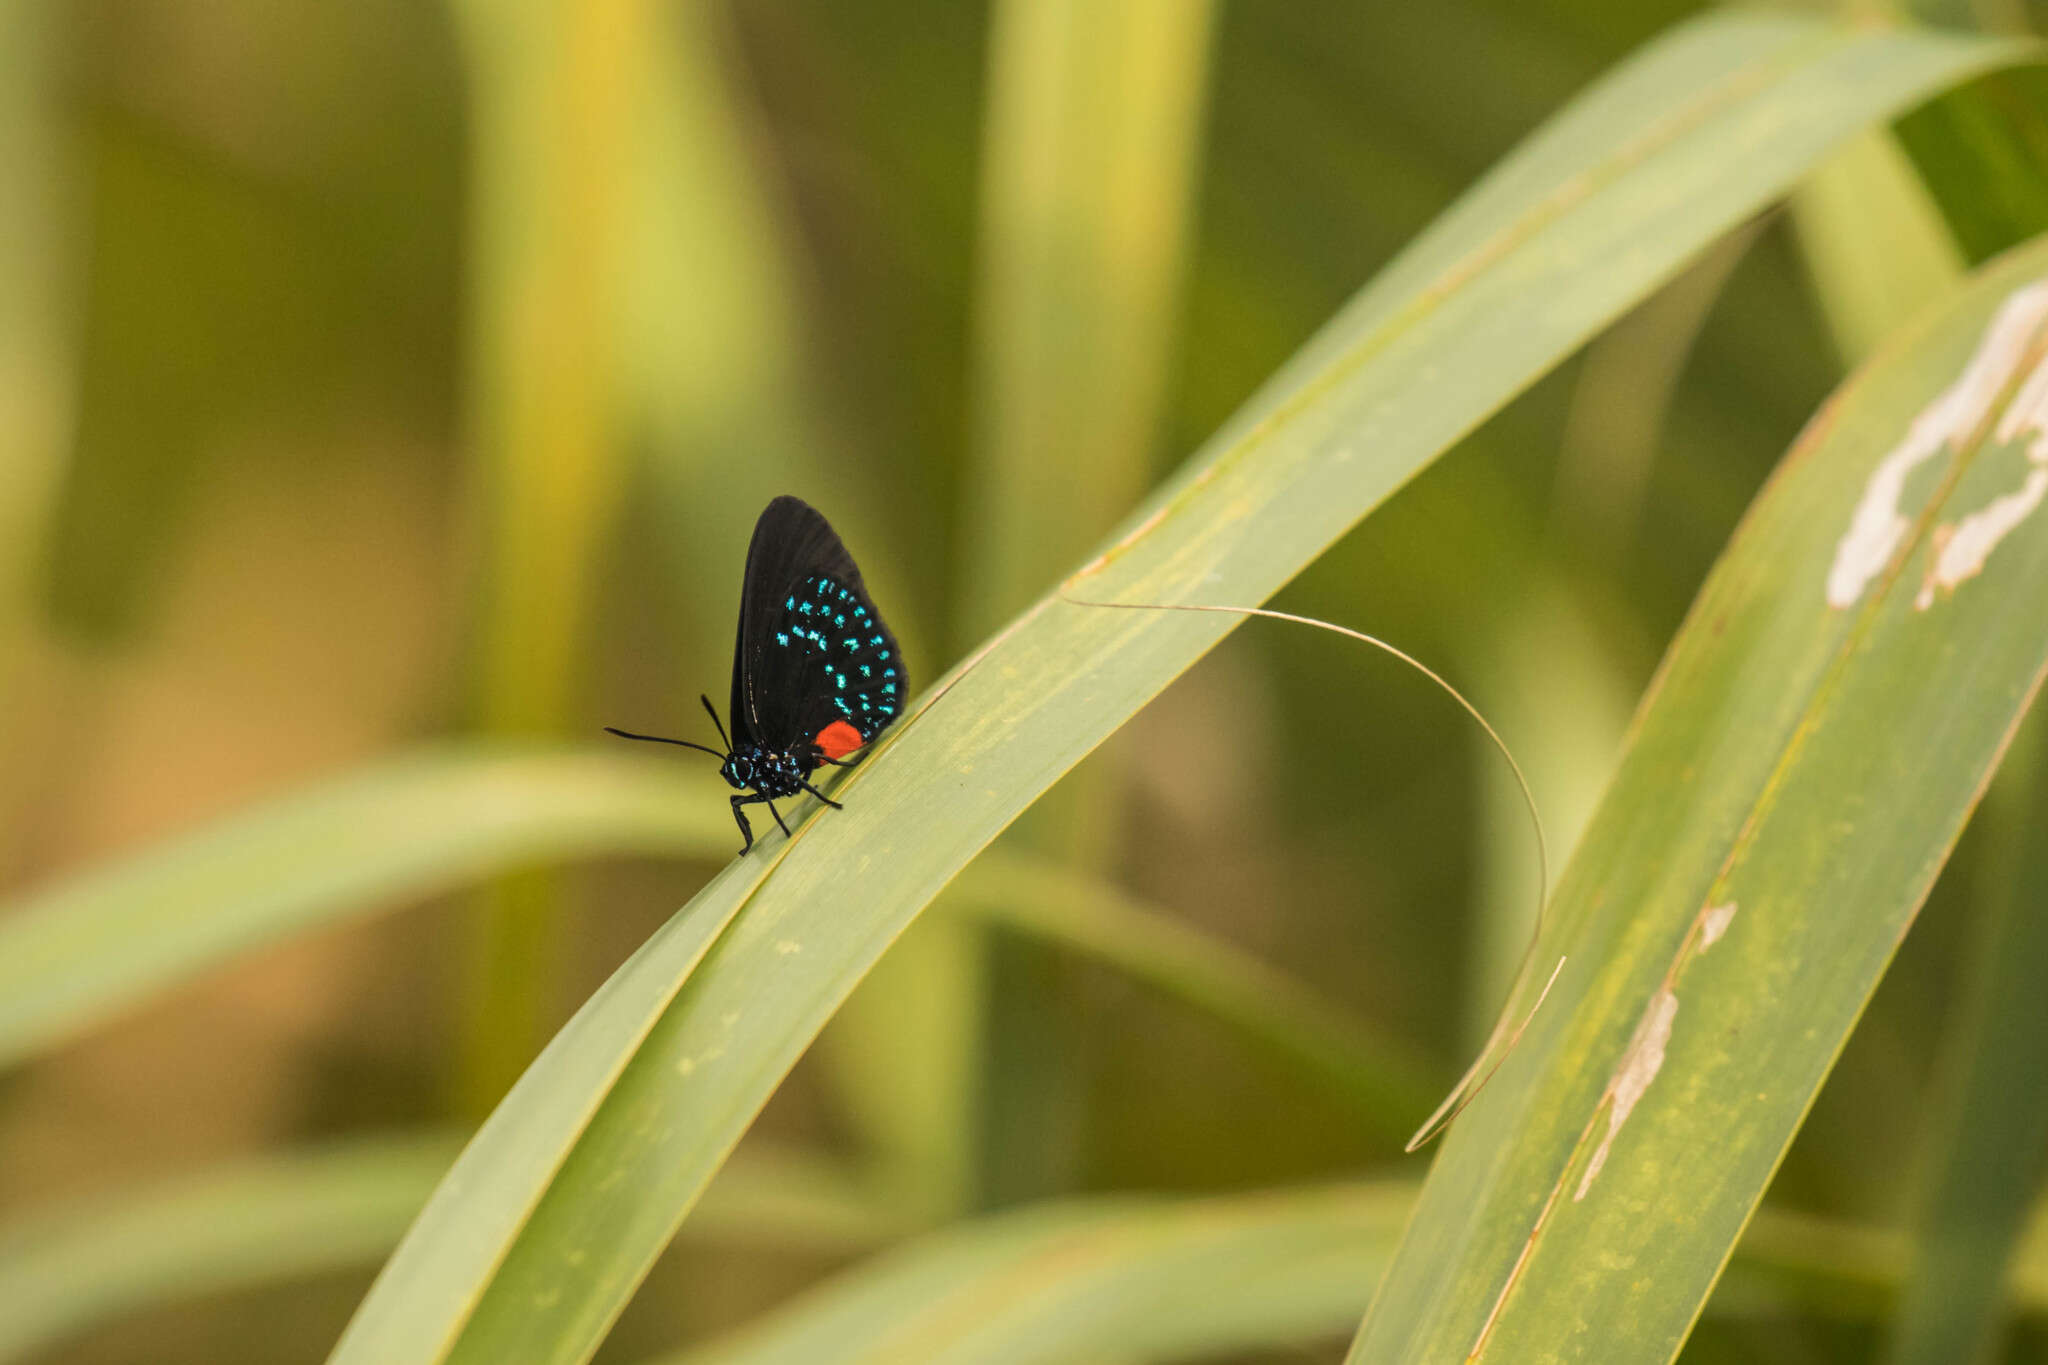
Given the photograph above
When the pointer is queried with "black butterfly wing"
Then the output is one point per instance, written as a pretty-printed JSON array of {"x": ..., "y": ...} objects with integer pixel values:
[{"x": 812, "y": 650}]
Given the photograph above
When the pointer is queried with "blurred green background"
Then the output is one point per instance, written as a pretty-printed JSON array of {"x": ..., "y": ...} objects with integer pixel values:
[{"x": 387, "y": 372}]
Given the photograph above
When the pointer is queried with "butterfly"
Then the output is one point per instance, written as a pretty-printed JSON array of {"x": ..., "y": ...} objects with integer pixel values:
[{"x": 815, "y": 674}]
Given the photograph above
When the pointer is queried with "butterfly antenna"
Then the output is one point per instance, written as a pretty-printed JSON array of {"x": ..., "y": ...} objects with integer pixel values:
[
  {"x": 712, "y": 712},
  {"x": 1506, "y": 1033},
  {"x": 662, "y": 739}
]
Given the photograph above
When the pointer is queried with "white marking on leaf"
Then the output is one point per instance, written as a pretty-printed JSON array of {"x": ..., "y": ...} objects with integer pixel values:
[
  {"x": 2027, "y": 414},
  {"x": 1639, "y": 1066},
  {"x": 1714, "y": 923},
  {"x": 1960, "y": 552},
  {"x": 1878, "y": 527}
]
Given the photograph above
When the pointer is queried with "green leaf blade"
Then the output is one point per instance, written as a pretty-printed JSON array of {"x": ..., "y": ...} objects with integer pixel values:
[
  {"x": 1988, "y": 1133},
  {"x": 1095, "y": 1279},
  {"x": 92, "y": 945},
  {"x": 1792, "y": 789},
  {"x": 1610, "y": 201},
  {"x": 258, "y": 1222}
]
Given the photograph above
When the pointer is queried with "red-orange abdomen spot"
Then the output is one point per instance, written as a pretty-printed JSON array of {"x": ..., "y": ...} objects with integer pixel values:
[{"x": 838, "y": 739}]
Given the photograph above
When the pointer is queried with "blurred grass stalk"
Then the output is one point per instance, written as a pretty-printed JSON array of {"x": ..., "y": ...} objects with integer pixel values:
[
  {"x": 1873, "y": 241},
  {"x": 35, "y": 348},
  {"x": 552, "y": 88},
  {"x": 1083, "y": 1278},
  {"x": 1982, "y": 152},
  {"x": 1560, "y": 695},
  {"x": 73, "y": 1265},
  {"x": 1123, "y": 1278},
  {"x": 1090, "y": 154},
  {"x": 84, "y": 949},
  {"x": 626, "y": 163},
  {"x": 715, "y": 389}
]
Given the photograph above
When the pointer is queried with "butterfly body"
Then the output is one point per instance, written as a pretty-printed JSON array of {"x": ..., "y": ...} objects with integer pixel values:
[
  {"x": 771, "y": 775},
  {"x": 816, "y": 676}
]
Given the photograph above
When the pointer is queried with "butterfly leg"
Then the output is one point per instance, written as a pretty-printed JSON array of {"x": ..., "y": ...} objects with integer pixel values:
[
  {"x": 822, "y": 797},
  {"x": 778, "y": 818},
  {"x": 746, "y": 830}
]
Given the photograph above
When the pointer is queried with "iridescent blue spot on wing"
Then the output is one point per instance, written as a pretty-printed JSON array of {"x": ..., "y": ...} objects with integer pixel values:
[{"x": 830, "y": 649}]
